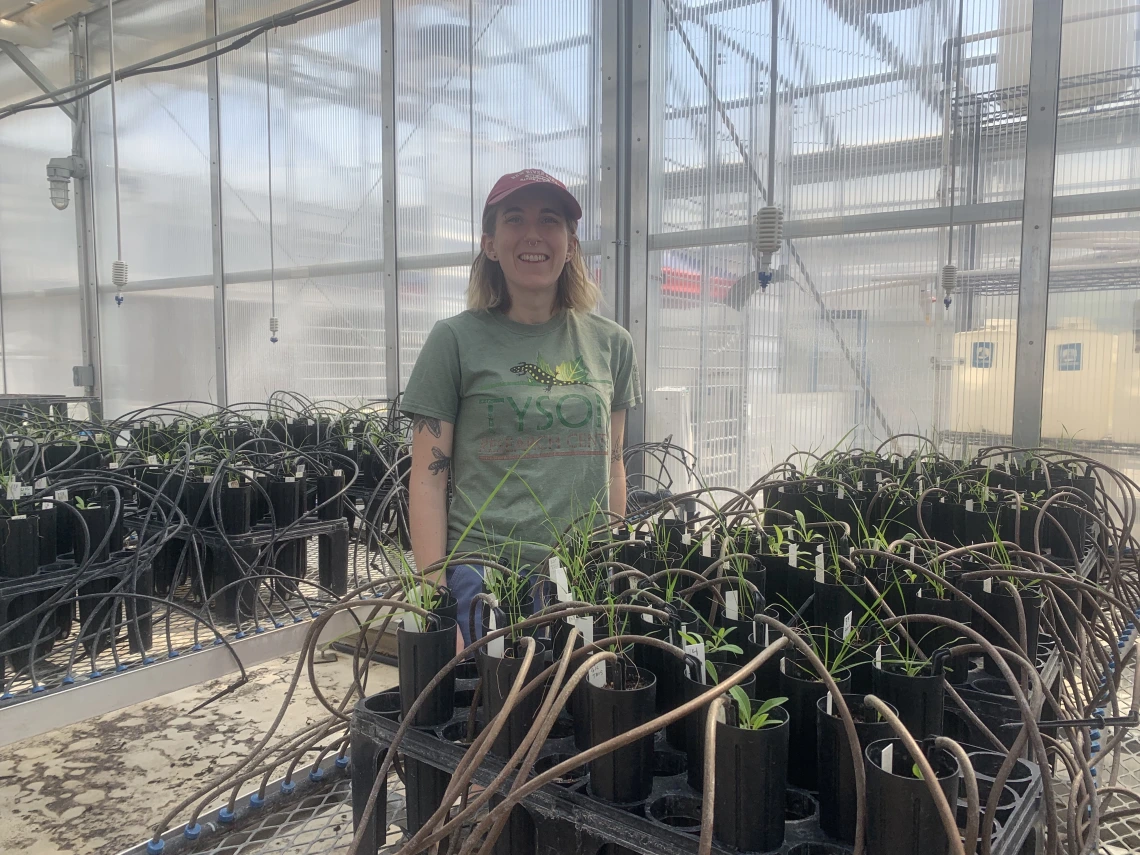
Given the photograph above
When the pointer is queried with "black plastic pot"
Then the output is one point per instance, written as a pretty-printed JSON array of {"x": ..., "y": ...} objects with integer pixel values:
[
  {"x": 19, "y": 546},
  {"x": 624, "y": 776},
  {"x": 767, "y": 675},
  {"x": 918, "y": 699},
  {"x": 751, "y": 785},
  {"x": 235, "y": 509},
  {"x": 837, "y": 597},
  {"x": 327, "y": 487},
  {"x": 285, "y": 500},
  {"x": 48, "y": 516},
  {"x": 803, "y": 689},
  {"x": 899, "y": 593},
  {"x": 366, "y": 756},
  {"x": 694, "y": 743},
  {"x": 1001, "y": 606},
  {"x": 422, "y": 655},
  {"x": 931, "y": 637},
  {"x": 837, "y": 801},
  {"x": 498, "y": 675},
  {"x": 902, "y": 818}
]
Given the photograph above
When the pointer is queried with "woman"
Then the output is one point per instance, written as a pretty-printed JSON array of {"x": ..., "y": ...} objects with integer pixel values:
[{"x": 525, "y": 394}]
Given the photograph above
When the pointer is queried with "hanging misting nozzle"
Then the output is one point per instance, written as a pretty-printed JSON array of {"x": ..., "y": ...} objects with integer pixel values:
[
  {"x": 119, "y": 277},
  {"x": 949, "y": 283},
  {"x": 767, "y": 235}
]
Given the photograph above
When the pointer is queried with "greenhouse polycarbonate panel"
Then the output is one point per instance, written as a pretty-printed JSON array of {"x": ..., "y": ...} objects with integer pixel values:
[
  {"x": 39, "y": 273},
  {"x": 331, "y": 341},
  {"x": 323, "y": 102},
  {"x": 158, "y": 345},
  {"x": 852, "y": 341},
  {"x": 529, "y": 98}
]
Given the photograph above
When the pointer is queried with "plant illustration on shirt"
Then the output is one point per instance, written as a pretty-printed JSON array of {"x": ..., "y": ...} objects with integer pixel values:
[{"x": 568, "y": 373}]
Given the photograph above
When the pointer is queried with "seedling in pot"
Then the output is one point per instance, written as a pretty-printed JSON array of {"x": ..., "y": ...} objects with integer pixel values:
[{"x": 746, "y": 718}]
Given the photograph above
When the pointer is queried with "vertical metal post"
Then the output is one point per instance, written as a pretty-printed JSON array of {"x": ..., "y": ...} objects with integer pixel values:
[
  {"x": 639, "y": 42},
  {"x": 626, "y": 40},
  {"x": 614, "y": 172},
  {"x": 1037, "y": 223},
  {"x": 84, "y": 224},
  {"x": 217, "y": 233},
  {"x": 388, "y": 166}
]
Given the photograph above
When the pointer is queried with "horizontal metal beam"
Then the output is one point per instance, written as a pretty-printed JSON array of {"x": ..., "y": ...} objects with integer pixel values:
[
  {"x": 47, "y": 712},
  {"x": 38, "y": 77},
  {"x": 1084, "y": 204}
]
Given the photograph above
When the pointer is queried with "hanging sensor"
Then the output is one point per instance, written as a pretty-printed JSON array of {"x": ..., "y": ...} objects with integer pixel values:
[
  {"x": 119, "y": 278},
  {"x": 274, "y": 326},
  {"x": 949, "y": 283},
  {"x": 767, "y": 235}
]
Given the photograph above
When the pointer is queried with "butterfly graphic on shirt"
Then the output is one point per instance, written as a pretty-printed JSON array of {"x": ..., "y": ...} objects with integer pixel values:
[{"x": 568, "y": 373}]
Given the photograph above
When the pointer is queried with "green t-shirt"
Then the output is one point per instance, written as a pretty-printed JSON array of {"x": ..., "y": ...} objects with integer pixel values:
[{"x": 536, "y": 395}]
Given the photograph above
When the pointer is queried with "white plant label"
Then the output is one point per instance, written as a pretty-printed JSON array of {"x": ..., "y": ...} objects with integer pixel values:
[
  {"x": 969, "y": 504},
  {"x": 350, "y": 445},
  {"x": 597, "y": 674},
  {"x": 830, "y": 702},
  {"x": 887, "y": 761},
  {"x": 819, "y": 488},
  {"x": 410, "y": 624},
  {"x": 152, "y": 459},
  {"x": 988, "y": 586},
  {"x": 859, "y": 486},
  {"x": 793, "y": 549},
  {"x": 300, "y": 469},
  {"x": 912, "y": 555},
  {"x": 558, "y": 576},
  {"x": 207, "y": 479},
  {"x": 720, "y": 716},
  {"x": 338, "y": 473},
  {"x": 61, "y": 496},
  {"x": 846, "y": 627},
  {"x": 112, "y": 465},
  {"x": 46, "y": 506},
  {"x": 841, "y": 495},
  {"x": 20, "y": 517},
  {"x": 289, "y": 479},
  {"x": 879, "y": 656},
  {"x": 686, "y": 539},
  {"x": 26, "y": 490},
  {"x": 732, "y": 605},
  {"x": 495, "y": 647},
  {"x": 819, "y": 567},
  {"x": 13, "y": 490},
  {"x": 41, "y": 483},
  {"x": 698, "y": 650},
  {"x": 766, "y": 628},
  {"x": 706, "y": 548}
]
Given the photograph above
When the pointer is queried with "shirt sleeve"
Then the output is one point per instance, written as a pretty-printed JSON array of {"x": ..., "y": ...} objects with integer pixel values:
[
  {"x": 627, "y": 383},
  {"x": 434, "y": 386}
]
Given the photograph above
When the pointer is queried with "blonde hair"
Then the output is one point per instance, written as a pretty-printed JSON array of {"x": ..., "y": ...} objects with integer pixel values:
[{"x": 487, "y": 288}]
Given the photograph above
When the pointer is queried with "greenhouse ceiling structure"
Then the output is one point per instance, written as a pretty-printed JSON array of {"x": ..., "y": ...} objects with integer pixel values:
[{"x": 323, "y": 163}]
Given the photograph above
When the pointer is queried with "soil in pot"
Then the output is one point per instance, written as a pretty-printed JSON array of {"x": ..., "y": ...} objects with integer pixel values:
[
  {"x": 624, "y": 776},
  {"x": 902, "y": 818},
  {"x": 751, "y": 772},
  {"x": 837, "y": 802},
  {"x": 803, "y": 689}
]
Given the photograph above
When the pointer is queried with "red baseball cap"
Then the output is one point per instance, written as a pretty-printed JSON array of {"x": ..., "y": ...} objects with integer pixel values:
[{"x": 514, "y": 181}]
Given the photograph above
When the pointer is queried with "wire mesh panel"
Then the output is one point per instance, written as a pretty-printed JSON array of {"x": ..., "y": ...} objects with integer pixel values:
[
  {"x": 39, "y": 274},
  {"x": 303, "y": 150},
  {"x": 485, "y": 88},
  {"x": 158, "y": 345}
]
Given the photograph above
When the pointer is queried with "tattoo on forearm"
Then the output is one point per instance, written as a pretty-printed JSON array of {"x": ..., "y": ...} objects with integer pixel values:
[
  {"x": 616, "y": 454},
  {"x": 421, "y": 422},
  {"x": 441, "y": 462}
]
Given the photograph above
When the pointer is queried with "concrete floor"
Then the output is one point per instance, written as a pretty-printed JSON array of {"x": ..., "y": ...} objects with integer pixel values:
[{"x": 98, "y": 787}]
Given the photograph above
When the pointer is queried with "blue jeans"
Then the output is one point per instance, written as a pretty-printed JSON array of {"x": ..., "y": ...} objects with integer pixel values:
[{"x": 465, "y": 581}]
